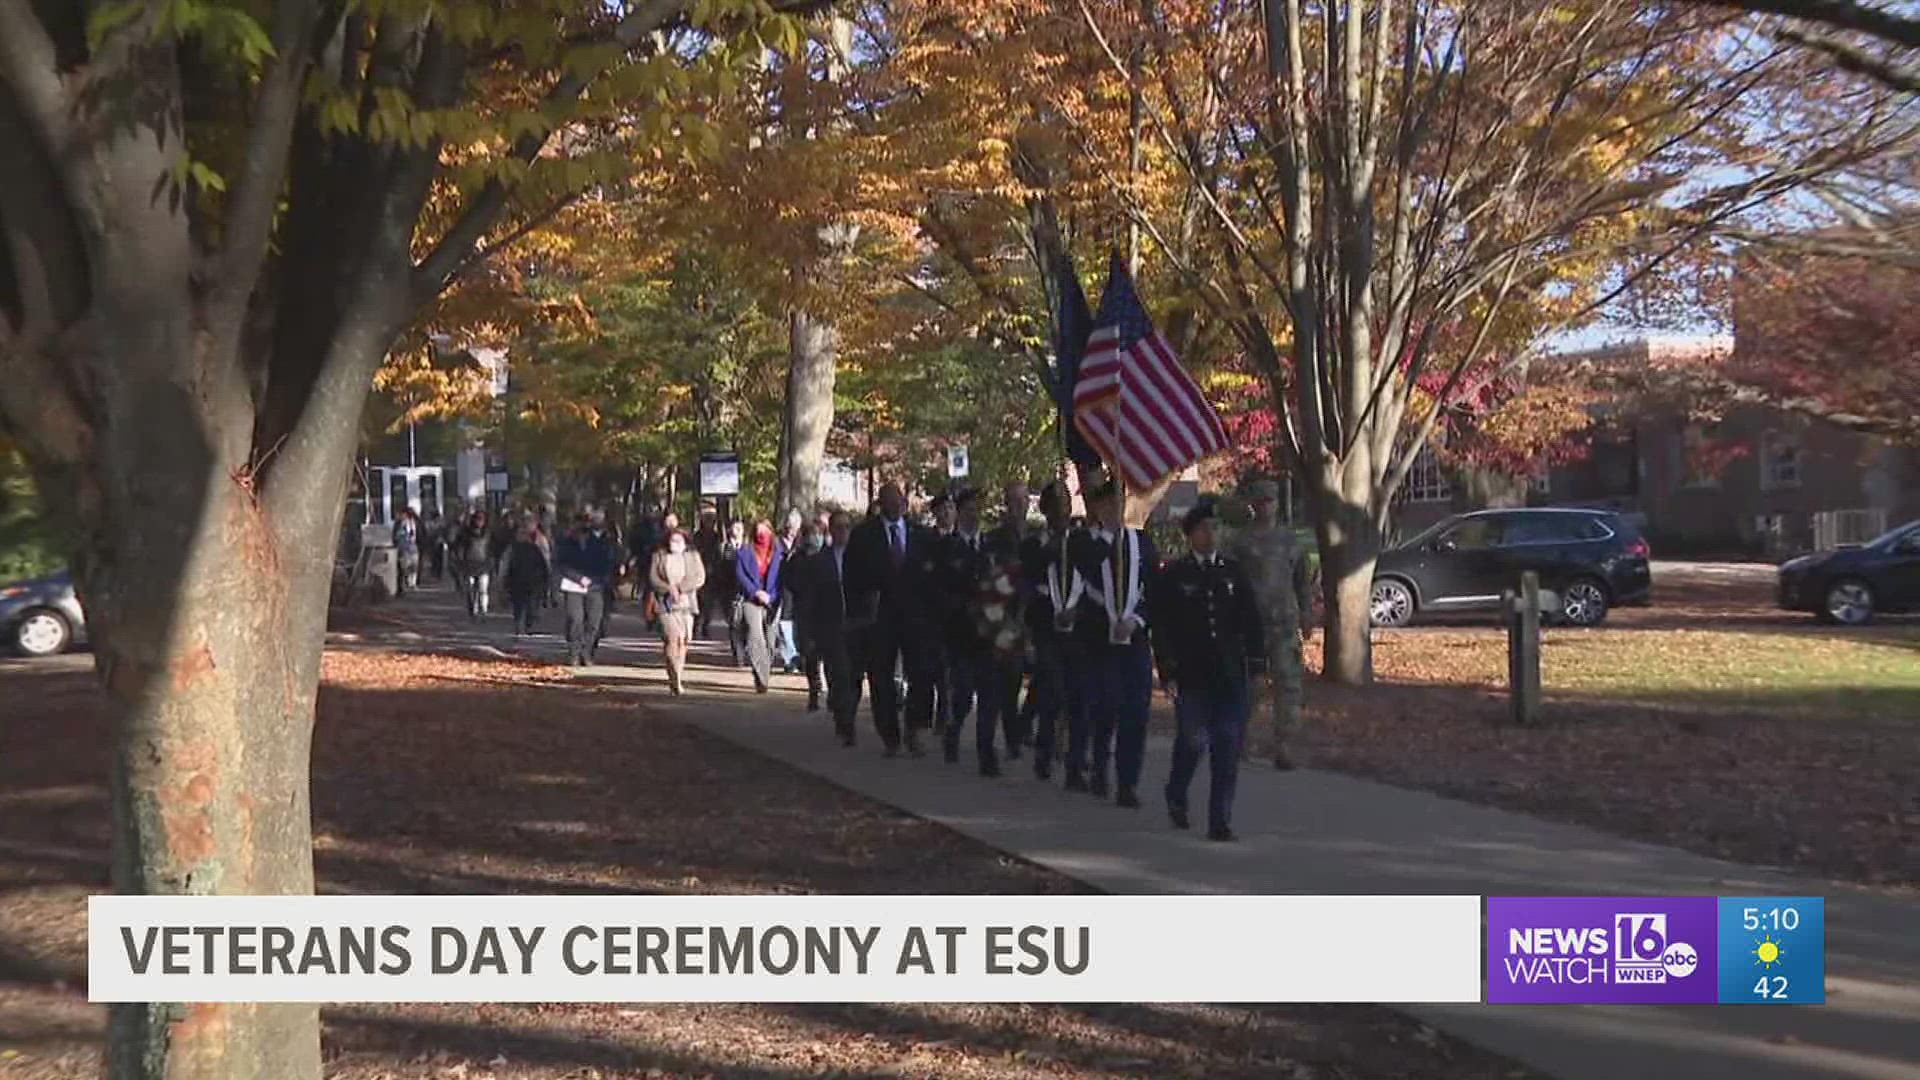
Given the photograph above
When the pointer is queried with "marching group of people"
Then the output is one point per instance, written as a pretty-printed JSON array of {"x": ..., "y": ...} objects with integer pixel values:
[{"x": 1044, "y": 636}]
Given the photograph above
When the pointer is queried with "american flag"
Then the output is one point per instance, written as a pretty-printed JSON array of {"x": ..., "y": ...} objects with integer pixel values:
[{"x": 1133, "y": 401}]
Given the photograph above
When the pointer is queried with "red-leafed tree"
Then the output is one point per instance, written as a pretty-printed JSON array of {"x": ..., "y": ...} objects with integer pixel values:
[{"x": 1837, "y": 339}]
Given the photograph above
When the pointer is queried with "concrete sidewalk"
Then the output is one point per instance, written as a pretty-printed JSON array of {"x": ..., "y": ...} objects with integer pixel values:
[{"x": 1325, "y": 833}]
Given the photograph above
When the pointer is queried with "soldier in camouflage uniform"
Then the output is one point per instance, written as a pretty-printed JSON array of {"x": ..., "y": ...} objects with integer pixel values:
[{"x": 1265, "y": 548}]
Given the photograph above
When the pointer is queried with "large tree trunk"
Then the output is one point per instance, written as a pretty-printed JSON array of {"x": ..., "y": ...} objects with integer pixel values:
[
  {"x": 814, "y": 348},
  {"x": 207, "y": 611},
  {"x": 1349, "y": 547},
  {"x": 212, "y": 706}
]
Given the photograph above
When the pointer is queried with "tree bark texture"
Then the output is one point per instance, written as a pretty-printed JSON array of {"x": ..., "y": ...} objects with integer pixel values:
[{"x": 813, "y": 353}]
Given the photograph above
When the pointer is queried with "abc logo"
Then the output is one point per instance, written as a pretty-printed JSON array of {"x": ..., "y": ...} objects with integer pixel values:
[{"x": 1680, "y": 960}]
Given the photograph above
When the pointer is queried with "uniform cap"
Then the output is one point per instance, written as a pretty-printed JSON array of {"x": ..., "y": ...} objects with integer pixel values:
[
  {"x": 1204, "y": 510},
  {"x": 1263, "y": 489}
]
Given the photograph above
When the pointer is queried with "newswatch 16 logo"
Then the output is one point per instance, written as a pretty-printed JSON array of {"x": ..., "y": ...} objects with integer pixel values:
[{"x": 1602, "y": 950}]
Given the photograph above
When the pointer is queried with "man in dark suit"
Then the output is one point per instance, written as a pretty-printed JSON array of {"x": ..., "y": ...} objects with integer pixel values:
[
  {"x": 967, "y": 563},
  {"x": 821, "y": 617},
  {"x": 1118, "y": 564},
  {"x": 1210, "y": 644},
  {"x": 890, "y": 567}
]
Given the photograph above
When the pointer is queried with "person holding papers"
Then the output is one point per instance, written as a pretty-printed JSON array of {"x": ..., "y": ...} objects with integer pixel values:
[
  {"x": 584, "y": 562},
  {"x": 1210, "y": 644},
  {"x": 1117, "y": 564}
]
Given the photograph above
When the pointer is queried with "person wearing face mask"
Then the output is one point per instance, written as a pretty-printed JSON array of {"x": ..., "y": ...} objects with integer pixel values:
[
  {"x": 800, "y": 580},
  {"x": 757, "y": 570},
  {"x": 792, "y": 545},
  {"x": 730, "y": 599},
  {"x": 585, "y": 565},
  {"x": 676, "y": 577},
  {"x": 526, "y": 578}
]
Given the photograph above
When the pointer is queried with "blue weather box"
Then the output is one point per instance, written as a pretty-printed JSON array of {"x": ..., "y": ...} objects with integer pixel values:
[{"x": 1773, "y": 950}]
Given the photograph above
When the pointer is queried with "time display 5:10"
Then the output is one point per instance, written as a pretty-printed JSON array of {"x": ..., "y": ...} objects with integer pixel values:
[{"x": 1787, "y": 919}]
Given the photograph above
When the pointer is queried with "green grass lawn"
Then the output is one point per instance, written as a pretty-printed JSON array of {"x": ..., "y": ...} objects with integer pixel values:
[
  {"x": 1781, "y": 670},
  {"x": 1863, "y": 675}
]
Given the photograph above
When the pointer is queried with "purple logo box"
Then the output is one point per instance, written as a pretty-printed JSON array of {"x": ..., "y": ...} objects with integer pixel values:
[{"x": 1604, "y": 950}]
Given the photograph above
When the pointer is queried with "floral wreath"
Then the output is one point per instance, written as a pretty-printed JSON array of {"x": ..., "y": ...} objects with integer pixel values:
[{"x": 996, "y": 611}]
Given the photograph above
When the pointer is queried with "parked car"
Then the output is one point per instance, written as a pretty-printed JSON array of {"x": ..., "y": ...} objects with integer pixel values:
[
  {"x": 41, "y": 616},
  {"x": 1851, "y": 585},
  {"x": 1591, "y": 559}
]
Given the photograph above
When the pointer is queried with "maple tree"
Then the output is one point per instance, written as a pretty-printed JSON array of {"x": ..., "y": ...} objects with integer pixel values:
[
  {"x": 218, "y": 217},
  {"x": 1837, "y": 339}
]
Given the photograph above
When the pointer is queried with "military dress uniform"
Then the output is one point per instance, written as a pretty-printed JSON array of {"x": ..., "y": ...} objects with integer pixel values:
[
  {"x": 1276, "y": 569},
  {"x": 1210, "y": 644},
  {"x": 1053, "y": 593},
  {"x": 1116, "y": 673}
]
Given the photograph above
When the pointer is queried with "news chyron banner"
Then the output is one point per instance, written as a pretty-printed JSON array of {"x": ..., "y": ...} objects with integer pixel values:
[
  {"x": 1093, "y": 949},
  {"x": 1642, "y": 950},
  {"x": 1229, "y": 949}
]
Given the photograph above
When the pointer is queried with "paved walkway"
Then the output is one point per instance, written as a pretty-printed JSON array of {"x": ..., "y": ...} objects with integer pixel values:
[{"x": 1324, "y": 833}]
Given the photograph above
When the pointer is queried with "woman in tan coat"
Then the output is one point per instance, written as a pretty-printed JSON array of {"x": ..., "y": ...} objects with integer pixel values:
[{"x": 676, "y": 577}]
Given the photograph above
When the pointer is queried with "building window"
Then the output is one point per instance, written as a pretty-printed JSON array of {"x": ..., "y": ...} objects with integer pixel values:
[
  {"x": 1779, "y": 461},
  {"x": 1426, "y": 481},
  {"x": 1699, "y": 460}
]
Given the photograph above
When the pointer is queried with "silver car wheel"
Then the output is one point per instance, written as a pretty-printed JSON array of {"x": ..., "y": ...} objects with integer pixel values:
[
  {"x": 1391, "y": 604},
  {"x": 41, "y": 633},
  {"x": 1850, "y": 603},
  {"x": 1584, "y": 603}
]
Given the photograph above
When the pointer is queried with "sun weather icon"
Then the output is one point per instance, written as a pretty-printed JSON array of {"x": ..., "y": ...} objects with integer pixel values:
[{"x": 1767, "y": 952}]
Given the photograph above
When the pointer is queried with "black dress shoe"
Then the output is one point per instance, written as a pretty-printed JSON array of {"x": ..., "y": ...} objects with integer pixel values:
[
  {"x": 1076, "y": 782},
  {"x": 1178, "y": 815},
  {"x": 1221, "y": 834},
  {"x": 1283, "y": 760},
  {"x": 813, "y": 703},
  {"x": 1042, "y": 769},
  {"x": 951, "y": 753},
  {"x": 1098, "y": 785},
  {"x": 989, "y": 767},
  {"x": 1126, "y": 798},
  {"x": 846, "y": 738},
  {"x": 914, "y": 749},
  {"x": 1013, "y": 752}
]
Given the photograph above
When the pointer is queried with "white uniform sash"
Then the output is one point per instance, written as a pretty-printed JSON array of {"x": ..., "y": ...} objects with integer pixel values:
[
  {"x": 1129, "y": 546},
  {"x": 1064, "y": 584}
]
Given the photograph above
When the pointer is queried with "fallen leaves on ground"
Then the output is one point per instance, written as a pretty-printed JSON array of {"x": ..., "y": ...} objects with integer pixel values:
[
  {"x": 435, "y": 774},
  {"x": 1709, "y": 721}
]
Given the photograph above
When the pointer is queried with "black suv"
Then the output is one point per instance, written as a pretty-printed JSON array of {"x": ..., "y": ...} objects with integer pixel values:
[
  {"x": 1590, "y": 559},
  {"x": 1851, "y": 585}
]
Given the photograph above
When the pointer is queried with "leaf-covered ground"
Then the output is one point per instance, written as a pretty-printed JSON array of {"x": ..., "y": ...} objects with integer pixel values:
[
  {"x": 445, "y": 775},
  {"x": 1709, "y": 721}
]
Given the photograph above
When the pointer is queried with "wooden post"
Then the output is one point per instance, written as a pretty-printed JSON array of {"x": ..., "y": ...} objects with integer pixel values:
[{"x": 1523, "y": 649}]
